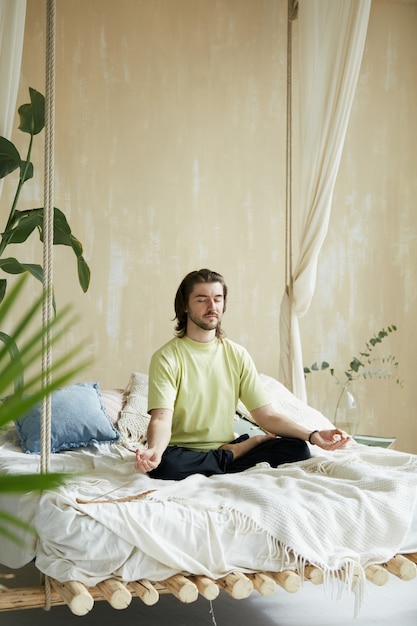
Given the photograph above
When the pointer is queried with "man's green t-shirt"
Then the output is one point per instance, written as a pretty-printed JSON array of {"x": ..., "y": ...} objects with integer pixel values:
[{"x": 202, "y": 383}]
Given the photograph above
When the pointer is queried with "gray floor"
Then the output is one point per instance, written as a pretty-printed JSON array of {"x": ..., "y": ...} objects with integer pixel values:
[{"x": 393, "y": 604}]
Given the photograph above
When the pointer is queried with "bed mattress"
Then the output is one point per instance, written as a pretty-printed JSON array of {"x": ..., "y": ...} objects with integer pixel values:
[{"x": 192, "y": 526}]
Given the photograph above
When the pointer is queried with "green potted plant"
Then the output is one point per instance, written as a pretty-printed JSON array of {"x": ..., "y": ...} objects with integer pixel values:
[
  {"x": 366, "y": 366},
  {"x": 21, "y": 224}
]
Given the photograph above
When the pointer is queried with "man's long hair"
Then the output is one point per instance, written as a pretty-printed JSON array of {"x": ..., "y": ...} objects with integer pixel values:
[{"x": 183, "y": 294}]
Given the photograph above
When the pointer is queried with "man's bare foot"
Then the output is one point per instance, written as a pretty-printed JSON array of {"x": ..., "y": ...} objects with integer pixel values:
[{"x": 242, "y": 447}]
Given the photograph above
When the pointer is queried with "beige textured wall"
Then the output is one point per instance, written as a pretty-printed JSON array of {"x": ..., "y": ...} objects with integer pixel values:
[{"x": 170, "y": 156}]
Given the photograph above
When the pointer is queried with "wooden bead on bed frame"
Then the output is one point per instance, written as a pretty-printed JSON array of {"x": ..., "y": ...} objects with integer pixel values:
[
  {"x": 182, "y": 588},
  {"x": 289, "y": 580},
  {"x": 402, "y": 567},
  {"x": 206, "y": 586},
  {"x": 75, "y": 596},
  {"x": 313, "y": 574},
  {"x": 264, "y": 584},
  {"x": 377, "y": 574},
  {"x": 116, "y": 594},
  {"x": 144, "y": 590},
  {"x": 237, "y": 585}
]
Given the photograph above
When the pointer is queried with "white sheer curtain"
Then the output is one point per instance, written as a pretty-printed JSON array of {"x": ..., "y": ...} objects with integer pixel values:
[
  {"x": 331, "y": 39},
  {"x": 12, "y": 26}
]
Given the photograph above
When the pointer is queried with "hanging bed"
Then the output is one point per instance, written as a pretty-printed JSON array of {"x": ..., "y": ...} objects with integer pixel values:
[{"x": 111, "y": 533}]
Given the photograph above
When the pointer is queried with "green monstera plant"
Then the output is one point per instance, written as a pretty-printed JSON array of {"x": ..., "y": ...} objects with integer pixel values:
[{"x": 21, "y": 224}]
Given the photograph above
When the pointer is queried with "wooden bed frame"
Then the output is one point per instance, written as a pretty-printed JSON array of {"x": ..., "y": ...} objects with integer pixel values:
[{"x": 80, "y": 599}]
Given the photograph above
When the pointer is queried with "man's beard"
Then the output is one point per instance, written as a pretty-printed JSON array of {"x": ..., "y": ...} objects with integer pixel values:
[{"x": 205, "y": 325}]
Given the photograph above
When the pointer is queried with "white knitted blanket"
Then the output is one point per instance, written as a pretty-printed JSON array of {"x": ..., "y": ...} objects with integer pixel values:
[{"x": 350, "y": 509}]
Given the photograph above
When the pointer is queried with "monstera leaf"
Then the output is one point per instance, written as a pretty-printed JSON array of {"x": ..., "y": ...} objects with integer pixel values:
[{"x": 21, "y": 224}]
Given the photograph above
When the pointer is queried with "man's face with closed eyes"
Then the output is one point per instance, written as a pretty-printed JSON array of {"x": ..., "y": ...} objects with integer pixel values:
[{"x": 205, "y": 306}]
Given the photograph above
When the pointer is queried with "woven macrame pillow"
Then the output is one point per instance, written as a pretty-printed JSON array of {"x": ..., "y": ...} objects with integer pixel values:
[
  {"x": 134, "y": 417},
  {"x": 113, "y": 401}
]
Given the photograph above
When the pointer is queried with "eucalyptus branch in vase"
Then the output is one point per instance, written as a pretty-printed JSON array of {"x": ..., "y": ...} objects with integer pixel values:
[{"x": 366, "y": 366}]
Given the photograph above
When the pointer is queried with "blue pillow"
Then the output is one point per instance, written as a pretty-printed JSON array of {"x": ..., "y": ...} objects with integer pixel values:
[{"x": 78, "y": 419}]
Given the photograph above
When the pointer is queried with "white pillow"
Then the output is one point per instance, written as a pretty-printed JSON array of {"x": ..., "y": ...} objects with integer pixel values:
[{"x": 288, "y": 405}]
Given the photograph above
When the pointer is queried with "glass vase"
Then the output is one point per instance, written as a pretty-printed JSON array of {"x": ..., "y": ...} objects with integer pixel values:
[{"x": 347, "y": 412}]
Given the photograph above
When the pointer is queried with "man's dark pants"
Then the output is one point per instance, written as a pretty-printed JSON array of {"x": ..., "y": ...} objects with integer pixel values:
[{"x": 178, "y": 463}]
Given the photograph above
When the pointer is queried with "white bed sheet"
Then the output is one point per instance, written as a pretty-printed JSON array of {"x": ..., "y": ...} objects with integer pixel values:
[
  {"x": 77, "y": 541},
  {"x": 67, "y": 548}
]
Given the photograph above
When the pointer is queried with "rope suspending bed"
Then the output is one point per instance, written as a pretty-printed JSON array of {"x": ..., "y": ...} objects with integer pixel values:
[
  {"x": 186, "y": 588},
  {"x": 48, "y": 246}
]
